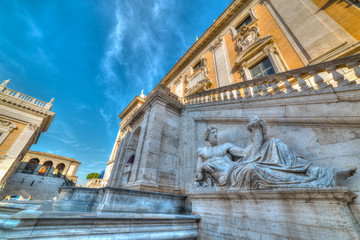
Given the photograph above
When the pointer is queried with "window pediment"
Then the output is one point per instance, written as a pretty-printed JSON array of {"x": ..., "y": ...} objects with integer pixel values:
[
  {"x": 250, "y": 49},
  {"x": 201, "y": 85},
  {"x": 198, "y": 80},
  {"x": 7, "y": 125}
]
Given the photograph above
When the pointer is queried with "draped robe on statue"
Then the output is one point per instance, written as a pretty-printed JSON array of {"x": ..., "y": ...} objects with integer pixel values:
[
  {"x": 273, "y": 165},
  {"x": 276, "y": 165}
]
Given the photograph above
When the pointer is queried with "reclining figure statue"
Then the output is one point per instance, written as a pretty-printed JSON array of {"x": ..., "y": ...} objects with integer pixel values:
[{"x": 265, "y": 163}]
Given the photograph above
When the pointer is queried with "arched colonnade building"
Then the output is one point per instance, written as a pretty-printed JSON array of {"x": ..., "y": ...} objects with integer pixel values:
[{"x": 49, "y": 165}]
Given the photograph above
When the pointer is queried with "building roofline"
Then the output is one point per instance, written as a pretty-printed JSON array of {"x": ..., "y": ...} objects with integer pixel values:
[
  {"x": 204, "y": 39},
  {"x": 130, "y": 106},
  {"x": 53, "y": 155}
]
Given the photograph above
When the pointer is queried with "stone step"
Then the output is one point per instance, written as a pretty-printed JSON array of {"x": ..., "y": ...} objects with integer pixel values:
[{"x": 27, "y": 222}]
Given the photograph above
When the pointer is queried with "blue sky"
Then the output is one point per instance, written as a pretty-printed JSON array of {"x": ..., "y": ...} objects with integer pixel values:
[{"x": 93, "y": 57}]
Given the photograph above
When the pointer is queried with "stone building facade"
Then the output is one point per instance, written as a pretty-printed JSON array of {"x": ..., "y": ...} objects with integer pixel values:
[
  {"x": 255, "y": 59},
  {"x": 250, "y": 40},
  {"x": 22, "y": 120},
  {"x": 294, "y": 64},
  {"x": 49, "y": 165},
  {"x": 40, "y": 175}
]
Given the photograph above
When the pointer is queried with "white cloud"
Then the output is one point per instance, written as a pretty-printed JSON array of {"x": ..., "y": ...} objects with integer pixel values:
[
  {"x": 33, "y": 30},
  {"x": 136, "y": 50}
]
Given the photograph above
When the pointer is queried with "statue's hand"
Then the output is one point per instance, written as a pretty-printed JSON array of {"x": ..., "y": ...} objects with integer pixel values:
[
  {"x": 208, "y": 169},
  {"x": 237, "y": 152},
  {"x": 198, "y": 177}
]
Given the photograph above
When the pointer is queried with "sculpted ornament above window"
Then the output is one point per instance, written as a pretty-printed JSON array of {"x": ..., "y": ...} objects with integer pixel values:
[
  {"x": 198, "y": 80},
  {"x": 247, "y": 37},
  {"x": 247, "y": 21},
  {"x": 7, "y": 124},
  {"x": 177, "y": 81},
  {"x": 6, "y": 127},
  {"x": 216, "y": 44},
  {"x": 32, "y": 127}
]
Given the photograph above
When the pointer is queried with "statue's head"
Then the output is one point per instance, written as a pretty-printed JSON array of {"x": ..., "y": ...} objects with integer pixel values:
[
  {"x": 257, "y": 123},
  {"x": 211, "y": 135}
]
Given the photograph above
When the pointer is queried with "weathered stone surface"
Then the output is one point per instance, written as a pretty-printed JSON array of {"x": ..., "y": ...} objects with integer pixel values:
[
  {"x": 264, "y": 163},
  {"x": 39, "y": 187},
  {"x": 108, "y": 199},
  {"x": 28, "y": 223},
  {"x": 275, "y": 214}
]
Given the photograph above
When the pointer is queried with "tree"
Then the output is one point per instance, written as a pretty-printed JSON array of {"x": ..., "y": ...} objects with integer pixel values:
[{"x": 92, "y": 175}]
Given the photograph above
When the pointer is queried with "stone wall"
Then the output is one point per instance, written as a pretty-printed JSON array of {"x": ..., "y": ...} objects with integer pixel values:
[
  {"x": 325, "y": 132},
  {"x": 276, "y": 214},
  {"x": 314, "y": 110}
]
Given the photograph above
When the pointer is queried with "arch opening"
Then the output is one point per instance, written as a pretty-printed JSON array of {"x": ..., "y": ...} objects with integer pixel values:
[
  {"x": 31, "y": 166},
  {"x": 130, "y": 156},
  {"x": 45, "y": 169},
  {"x": 58, "y": 172}
]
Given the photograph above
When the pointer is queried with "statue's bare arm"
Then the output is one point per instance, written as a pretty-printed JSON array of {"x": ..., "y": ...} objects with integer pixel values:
[
  {"x": 199, "y": 164},
  {"x": 236, "y": 151},
  {"x": 200, "y": 170}
]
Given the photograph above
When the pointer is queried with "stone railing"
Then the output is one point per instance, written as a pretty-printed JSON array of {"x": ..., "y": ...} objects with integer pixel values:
[
  {"x": 12, "y": 93},
  {"x": 342, "y": 72}
]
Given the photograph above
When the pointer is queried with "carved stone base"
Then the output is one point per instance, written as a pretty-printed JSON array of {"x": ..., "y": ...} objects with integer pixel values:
[
  {"x": 18, "y": 221},
  {"x": 154, "y": 188},
  {"x": 310, "y": 213},
  {"x": 101, "y": 213},
  {"x": 75, "y": 199}
]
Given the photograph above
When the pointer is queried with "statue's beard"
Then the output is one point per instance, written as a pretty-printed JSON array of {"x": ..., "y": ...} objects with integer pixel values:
[{"x": 257, "y": 139}]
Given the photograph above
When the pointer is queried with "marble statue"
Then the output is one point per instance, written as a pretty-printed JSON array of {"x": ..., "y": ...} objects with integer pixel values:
[{"x": 265, "y": 163}]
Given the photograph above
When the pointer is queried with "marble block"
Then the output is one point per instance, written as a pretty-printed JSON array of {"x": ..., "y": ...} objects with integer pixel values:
[{"x": 293, "y": 213}]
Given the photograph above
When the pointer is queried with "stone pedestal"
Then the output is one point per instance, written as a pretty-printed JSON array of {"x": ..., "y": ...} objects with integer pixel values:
[
  {"x": 76, "y": 199},
  {"x": 275, "y": 214},
  {"x": 27, "y": 222},
  {"x": 102, "y": 213}
]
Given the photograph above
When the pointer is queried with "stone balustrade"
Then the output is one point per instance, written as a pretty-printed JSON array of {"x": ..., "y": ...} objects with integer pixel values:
[
  {"x": 342, "y": 72},
  {"x": 14, "y": 94}
]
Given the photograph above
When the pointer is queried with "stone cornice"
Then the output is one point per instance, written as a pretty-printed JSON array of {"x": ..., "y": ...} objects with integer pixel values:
[
  {"x": 44, "y": 154},
  {"x": 161, "y": 93},
  {"x": 336, "y": 194},
  {"x": 205, "y": 39},
  {"x": 131, "y": 105},
  {"x": 24, "y": 106}
]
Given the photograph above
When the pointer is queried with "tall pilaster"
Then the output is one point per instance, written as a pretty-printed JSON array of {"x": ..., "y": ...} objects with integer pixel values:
[{"x": 16, "y": 152}]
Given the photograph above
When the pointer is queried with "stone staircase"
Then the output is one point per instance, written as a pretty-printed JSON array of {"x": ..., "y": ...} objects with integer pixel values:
[{"x": 39, "y": 187}]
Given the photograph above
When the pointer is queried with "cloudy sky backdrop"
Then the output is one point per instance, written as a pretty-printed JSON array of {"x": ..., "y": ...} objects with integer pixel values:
[{"x": 93, "y": 57}]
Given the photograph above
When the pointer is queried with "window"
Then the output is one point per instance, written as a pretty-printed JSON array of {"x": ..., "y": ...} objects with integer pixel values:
[
  {"x": 197, "y": 66},
  {"x": 355, "y": 2},
  {"x": 31, "y": 166},
  {"x": 262, "y": 69},
  {"x": 244, "y": 23}
]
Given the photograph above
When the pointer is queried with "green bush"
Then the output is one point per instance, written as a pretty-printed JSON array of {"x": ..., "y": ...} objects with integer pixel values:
[{"x": 92, "y": 175}]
